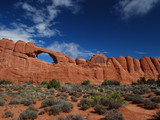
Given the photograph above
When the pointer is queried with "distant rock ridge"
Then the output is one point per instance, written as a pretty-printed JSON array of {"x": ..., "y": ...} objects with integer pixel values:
[{"x": 19, "y": 63}]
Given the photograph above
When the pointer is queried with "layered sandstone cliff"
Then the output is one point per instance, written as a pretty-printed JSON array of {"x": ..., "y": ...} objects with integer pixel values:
[{"x": 19, "y": 63}]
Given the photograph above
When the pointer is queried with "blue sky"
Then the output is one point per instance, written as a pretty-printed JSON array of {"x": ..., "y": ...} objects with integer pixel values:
[{"x": 81, "y": 28}]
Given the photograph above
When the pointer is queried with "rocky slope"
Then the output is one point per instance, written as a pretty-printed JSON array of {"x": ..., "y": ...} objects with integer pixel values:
[{"x": 19, "y": 63}]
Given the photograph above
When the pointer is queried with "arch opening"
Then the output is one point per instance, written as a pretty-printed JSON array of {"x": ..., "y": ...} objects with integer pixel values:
[{"x": 47, "y": 57}]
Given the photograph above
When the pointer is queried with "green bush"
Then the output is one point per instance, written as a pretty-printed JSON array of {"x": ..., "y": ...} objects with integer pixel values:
[
  {"x": 5, "y": 82},
  {"x": 157, "y": 116},
  {"x": 113, "y": 115},
  {"x": 68, "y": 83},
  {"x": 115, "y": 100},
  {"x": 100, "y": 109},
  {"x": 86, "y": 82},
  {"x": 97, "y": 99},
  {"x": 54, "y": 84},
  {"x": 157, "y": 92},
  {"x": 84, "y": 104},
  {"x": 151, "y": 81},
  {"x": 142, "y": 80},
  {"x": 109, "y": 82},
  {"x": 158, "y": 82},
  {"x": 44, "y": 83},
  {"x": 2, "y": 102},
  {"x": 8, "y": 114}
]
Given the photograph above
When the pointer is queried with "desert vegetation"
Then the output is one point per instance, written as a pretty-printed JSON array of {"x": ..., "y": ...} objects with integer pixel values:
[{"x": 53, "y": 100}]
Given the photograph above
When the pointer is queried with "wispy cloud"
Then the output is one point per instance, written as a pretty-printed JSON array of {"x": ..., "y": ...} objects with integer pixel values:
[
  {"x": 140, "y": 52},
  {"x": 130, "y": 8},
  {"x": 42, "y": 20},
  {"x": 72, "y": 49},
  {"x": 158, "y": 57}
]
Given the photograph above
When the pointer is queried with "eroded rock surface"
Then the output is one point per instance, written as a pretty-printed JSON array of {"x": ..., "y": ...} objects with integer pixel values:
[{"x": 19, "y": 63}]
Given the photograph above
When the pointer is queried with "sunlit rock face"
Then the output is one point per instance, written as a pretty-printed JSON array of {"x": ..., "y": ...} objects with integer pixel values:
[{"x": 19, "y": 63}]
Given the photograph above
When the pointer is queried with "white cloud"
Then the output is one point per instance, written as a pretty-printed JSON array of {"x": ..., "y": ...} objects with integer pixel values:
[
  {"x": 129, "y": 8},
  {"x": 15, "y": 34},
  {"x": 140, "y": 52},
  {"x": 42, "y": 20},
  {"x": 72, "y": 49},
  {"x": 66, "y": 3}
]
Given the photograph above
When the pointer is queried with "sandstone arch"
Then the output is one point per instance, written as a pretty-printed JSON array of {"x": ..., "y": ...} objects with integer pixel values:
[
  {"x": 54, "y": 58},
  {"x": 19, "y": 63}
]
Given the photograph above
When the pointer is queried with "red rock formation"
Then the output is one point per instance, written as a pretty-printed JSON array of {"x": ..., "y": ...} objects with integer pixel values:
[{"x": 19, "y": 63}]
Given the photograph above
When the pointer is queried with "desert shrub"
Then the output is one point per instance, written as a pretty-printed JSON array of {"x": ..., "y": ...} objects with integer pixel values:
[
  {"x": 113, "y": 115},
  {"x": 14, "y": 101},
  {"x": 8, "y": 114},
  {"x": 27, "y": 101},
  {"x": 129, "y": 97},
  {"x": 77, "y": 94},
  {"x": 74, "y": 117},
  {"x": 62, "y": 94},
  {"x": 137, "y": 99},
  {"x": 47, "y": 102},
  {"x": 100, "y": 109},
  {"x": 86, "y": 82},
  {"x": 85, "y": 107},
  {"x": 109, "y": 82},
  {"x": 32, "y": 108},
  {"x": 157, "y": 116},
  {"x": 41, "y": 112},
  {"x": 151, "y": 81},
  {"x": 84, "y": 104},
  {"x": 28, "y": 83},
  {"x": 155, "y": 99},
  {"x": 5, "y": 82},
  {"x": 134, "y": 83},
  {"x": 51, "y": 91},
  {"x": 157, "y": 92},
  {"x": 115, "y": 100},
  {"x": 44, "y": 83},
  {"x": 142, "y": 90},
  {"x": 68, "y": 83},
  {"x": 60, "y": 118},
  {"x": 2, "y": 102},
  {"x": 149, "y": 96},
  {"x": 66, "y": 107},
  {"x": 142, "y": 80},
  {"x": 150, "y": 105},
  {"x": 86, "y": 96},
  {"x": 53, "y": 84},
  {"x": 27, "y": 115},
  {"x": 62, "y": 106},
  {"x": 74, "y": 99},
  {"x": 97, "y": 99},
  {"x": 55, "y": 110},
  {"x": 158, "y": 82}
]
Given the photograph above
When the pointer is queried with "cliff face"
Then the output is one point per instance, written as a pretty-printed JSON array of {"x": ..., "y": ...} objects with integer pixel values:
[{"x": 19, "y": 63}]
